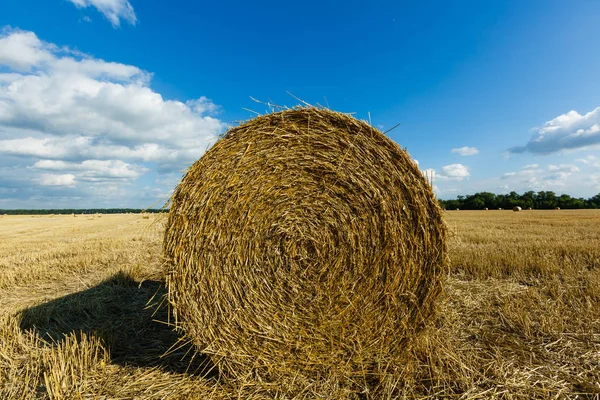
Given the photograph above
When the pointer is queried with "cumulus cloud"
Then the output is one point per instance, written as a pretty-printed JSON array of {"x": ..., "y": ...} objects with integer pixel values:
[
  {"x": 113, "y": 10},
  {"x": 83, "y": 104},
  {"x": 61, "y": 110},
  {"x": 465, "y": 151},
  {"x": 57, "y": 180},
  {"x": 453, "y": 172},
  {"x": 94, "y": 170},
  {"x": 567, "y": 177},
  {"x": 559, "y": 174},
  {"x": 568, "y": 131},
  {"x": 591, "y": 161},
  {"x": 587, "y": 160},
  {"x": 527, "y": 171},
  {"x": 75, "y": 148},
  {"x": 565, "y": 168},
  {"x": 21, "y": 51}
]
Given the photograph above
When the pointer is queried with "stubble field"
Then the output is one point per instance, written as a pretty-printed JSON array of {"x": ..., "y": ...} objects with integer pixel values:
[{"x": 82, "y": 314}]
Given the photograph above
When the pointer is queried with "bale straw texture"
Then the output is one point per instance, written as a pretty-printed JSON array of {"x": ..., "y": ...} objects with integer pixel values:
[{"x": 304, "y": 243}]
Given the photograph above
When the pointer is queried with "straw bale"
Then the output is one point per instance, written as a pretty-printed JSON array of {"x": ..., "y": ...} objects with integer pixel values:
[
  {"x": 517, "y": 208},
  {"x": 304, "y": 243}
]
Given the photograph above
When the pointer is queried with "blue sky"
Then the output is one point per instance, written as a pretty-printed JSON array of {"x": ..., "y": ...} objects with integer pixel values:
[{"x": 104, "y": 102}]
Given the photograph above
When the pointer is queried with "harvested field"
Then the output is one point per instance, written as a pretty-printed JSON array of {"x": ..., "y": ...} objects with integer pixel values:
[{"x": 82, "y": 314}]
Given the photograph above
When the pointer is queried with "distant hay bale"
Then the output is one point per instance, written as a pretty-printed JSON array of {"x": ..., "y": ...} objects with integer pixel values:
[
  {"x": 145, "y": 216},
  {"x": 74, "y": 216},
  {"x": 304, "y": 243},
  {"x": 485, "y": 209},
  {"x": 517, "y": 208},
  {"x": 557, "y": 208},
  {"x": 500, "y": 208},
  {"x": 529, "y": 208},
  {"x": 458, "y": 209}
]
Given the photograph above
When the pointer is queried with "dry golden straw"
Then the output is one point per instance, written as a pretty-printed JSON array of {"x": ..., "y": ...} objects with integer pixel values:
[{"x": 304, "y": 244}]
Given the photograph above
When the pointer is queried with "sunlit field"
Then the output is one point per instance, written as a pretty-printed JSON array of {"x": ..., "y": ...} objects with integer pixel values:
[{"x": 82, "y": 314}]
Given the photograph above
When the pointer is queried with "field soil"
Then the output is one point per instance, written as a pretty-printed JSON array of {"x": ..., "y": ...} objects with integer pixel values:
[{"x": 83, "y": 314}]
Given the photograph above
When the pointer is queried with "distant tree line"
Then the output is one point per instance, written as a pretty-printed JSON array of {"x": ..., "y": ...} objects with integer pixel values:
[
  {"x": 540, "y": 200},
  {"x": 80, "y": 211},
  {"x": 478, "y": 201}
]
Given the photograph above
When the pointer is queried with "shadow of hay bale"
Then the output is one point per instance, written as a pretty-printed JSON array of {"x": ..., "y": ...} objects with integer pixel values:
[{"x": 129, "y": 316}]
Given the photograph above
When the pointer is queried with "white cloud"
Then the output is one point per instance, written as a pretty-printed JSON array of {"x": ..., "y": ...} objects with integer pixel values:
[
  {"x": 567, "y": 131},
  {"x": 82, "y": 104},
  {"x": 454, "y": 172},
  {"x": 595, "y": 181},
  {"x": 78, "y": 99},
  {"x": 94, "y": 170},
  {"x": 465, "y": 151},
  {"x": 57, "y": 180},
  {"x": 527, "y": 171},
  {"x": 567, "y": 178},
  {"x": 587, "y": 160},
  {"x": 75, "y": 148},
  {"x": 21, "y": 51},
  {"x": 560, "y": 174},
  {"x": 97, "y": 121},
  {"x": 113, "y": 10},
  {"x": 564, "y": 168},
  {"x": 591, "y": 161}
]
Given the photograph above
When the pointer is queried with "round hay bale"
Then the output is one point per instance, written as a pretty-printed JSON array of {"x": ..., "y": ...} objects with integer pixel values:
[
  {"x": 557, "y": 208},
  {"x": 529, "y": 208},
  {"x": 517, "y": 208},
  {"x": 500, "y": 208},
  {"x": 485, "y": 209},
  {"x": 304, "y": 243}
]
